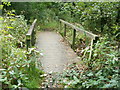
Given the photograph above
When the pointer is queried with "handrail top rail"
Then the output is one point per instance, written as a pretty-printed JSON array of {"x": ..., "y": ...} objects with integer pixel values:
[
  {"x": 89, "y": 34},
  {"x": 29, "y": 33}
]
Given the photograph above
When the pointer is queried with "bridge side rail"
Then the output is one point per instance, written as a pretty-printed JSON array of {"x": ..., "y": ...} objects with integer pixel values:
[
  {"x": 92, "y": 36},
  {"x": 30, "y": 36}
]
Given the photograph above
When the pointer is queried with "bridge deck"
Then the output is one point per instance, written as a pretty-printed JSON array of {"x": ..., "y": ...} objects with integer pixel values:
[{"x": 56, "y": 53}]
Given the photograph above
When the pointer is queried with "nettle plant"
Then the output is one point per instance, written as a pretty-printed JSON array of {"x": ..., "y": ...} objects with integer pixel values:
[
  {"x": 12, "y": 59},
  {"x": 16, "y": 61},
  {"x": 17, "y": 27},
  {"x": 104, "y": 71}
]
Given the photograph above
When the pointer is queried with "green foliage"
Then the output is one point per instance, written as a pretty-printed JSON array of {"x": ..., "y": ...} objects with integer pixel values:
[
  {"x": 44, "y": 12},
  {"x": 98, "y": 17},
  {"x": 49, "y": 26},
  {"x": 33, "y": 72},
  {"x": 18, "y": 66},
  {"x": 101, "y": 72}
]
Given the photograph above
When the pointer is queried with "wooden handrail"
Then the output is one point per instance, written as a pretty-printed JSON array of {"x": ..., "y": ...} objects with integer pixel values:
[
  {"x": 89, "y": 34},
  {"x": 75, "y": 28},
  {"x": 31, "y": 28},
  {"x": 30, "y": 36}
]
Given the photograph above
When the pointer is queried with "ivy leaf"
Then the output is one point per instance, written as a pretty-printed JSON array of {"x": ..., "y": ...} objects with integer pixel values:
[
  {"x": 113, "y": 81},
  {"x": 76, "y": 79},
  {"x": 108, "y": 85},
  {"x": 98, "y": 73},
  {"x": 14, "y": 86},
  {"x": 90, "y": 74},
  {"x": 2, "y": 80}
]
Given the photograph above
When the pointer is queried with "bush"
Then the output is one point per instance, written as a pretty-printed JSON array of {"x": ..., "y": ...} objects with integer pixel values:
[
  {"x": 102, "y": 70},
  {"x": 18, "y": 65}
]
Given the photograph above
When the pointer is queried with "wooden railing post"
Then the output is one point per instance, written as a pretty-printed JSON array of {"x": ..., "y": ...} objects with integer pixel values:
[
  {"x": 30, "y": 36},
  {"x": 93, "y": 41},
  {"x": 73, "y": 40},
  {"x": 59, "y": 25},
  {"x": 28, "y": 41},
  {"x": 92, "y": 36},
  {"x": 64, "y": 30},
  {"x": 33, "y": 38}
]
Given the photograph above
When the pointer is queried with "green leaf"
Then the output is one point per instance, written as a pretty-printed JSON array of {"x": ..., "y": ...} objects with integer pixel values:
[
  {"x": 90, "y": 74},
  {"x": 75, "y": 78},
  {"x": 107, "y": 86},
  {"x": 2, "y": 80}
]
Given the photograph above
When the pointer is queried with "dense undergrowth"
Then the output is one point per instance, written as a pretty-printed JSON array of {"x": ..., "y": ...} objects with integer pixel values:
[
  {"x": 49, "y": 26},
  {"x": 102, "y": 70},
  {"x": 18, "y": 65}
]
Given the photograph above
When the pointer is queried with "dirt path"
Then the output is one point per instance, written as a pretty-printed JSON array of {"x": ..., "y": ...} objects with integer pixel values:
[{"x": 56, "y": 53}]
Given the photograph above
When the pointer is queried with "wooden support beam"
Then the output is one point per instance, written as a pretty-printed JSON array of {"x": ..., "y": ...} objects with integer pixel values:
[
  {"x": 91, "y": 48},
  {"x": 73, "y": 40},
  {"x": 59, "y": 25},
  {"x": 64, "y": 30},
  {"x": 31, "y": 28},
  {"x": 30, "y": 36},
  {"x": 28, "y": 42}
]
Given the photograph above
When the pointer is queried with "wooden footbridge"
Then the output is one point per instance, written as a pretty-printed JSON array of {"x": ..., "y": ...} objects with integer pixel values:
[{"x": 56, "y": 52}]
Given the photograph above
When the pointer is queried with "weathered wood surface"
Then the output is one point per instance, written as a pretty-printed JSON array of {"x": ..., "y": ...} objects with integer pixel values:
[
  {"x": 56, "y": 52},
  {"x": 30, "y": 36},
  {"x": 31, "y": 28},
  {"x": 65, "y": 30},
  {"x": 89, "y": 34},
  {"x": 92, "y": 36},
  {"x": 73, "y": 40}
]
